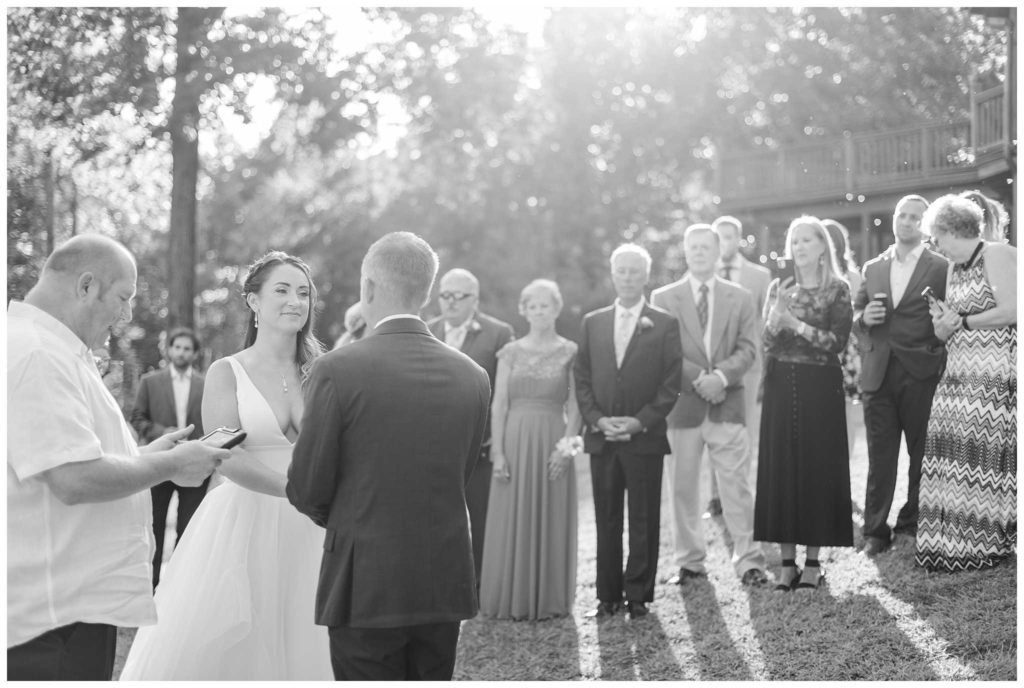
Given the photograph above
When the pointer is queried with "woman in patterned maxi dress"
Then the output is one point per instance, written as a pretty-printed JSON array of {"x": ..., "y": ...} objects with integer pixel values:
[{"x": 968, "y": 512}]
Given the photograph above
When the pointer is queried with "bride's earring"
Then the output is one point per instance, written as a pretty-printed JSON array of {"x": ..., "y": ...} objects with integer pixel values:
[{"x": 256, "y": 319}]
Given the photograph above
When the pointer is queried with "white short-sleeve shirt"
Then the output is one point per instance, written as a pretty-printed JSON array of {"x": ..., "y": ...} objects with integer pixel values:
[{"x": 88, "y": 562}]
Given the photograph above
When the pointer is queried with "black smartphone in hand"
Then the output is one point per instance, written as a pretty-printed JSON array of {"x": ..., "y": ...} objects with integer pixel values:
[
  {"x": 783, "y": 270},
  {"x": 929, "y": 294},
  {"x": 224, "y": 438}
]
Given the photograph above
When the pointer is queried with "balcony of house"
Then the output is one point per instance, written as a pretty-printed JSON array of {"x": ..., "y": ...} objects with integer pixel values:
[
  {"x": 910, "y": 160},
  {"x": 857, "y": 179}
]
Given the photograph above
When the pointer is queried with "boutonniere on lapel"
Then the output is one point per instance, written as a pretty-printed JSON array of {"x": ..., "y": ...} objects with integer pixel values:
[
  {"x": 474, "y": 326},
  {"x": 644, "y": 324}
]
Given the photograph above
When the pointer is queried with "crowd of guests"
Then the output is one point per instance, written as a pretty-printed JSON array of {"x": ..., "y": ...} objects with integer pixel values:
[{"x": 731, "y": 362}]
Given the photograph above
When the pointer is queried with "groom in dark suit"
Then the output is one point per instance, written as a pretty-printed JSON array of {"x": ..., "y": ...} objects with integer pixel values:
[
  {"x": 628, "y": 376},
  {"x": 391, "y": 431},
  {"x": 901, "y": 361},
  {"x": 463, "y": 327}
]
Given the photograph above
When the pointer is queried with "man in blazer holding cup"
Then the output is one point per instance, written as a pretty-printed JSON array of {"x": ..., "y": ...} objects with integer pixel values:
[{"x": 901, "y": 362}]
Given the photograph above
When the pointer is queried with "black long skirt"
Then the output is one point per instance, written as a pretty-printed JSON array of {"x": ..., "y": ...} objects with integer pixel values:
[{"x": 803, "y": 471}]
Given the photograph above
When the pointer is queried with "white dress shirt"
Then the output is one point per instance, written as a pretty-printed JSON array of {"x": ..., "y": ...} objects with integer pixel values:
[
  {"x": 626, "y": 320},
  {"x": 900, "y": 272},
  {"x": 455, "y": 335},
  {"x": 695, "y": 286},
  {"x": 182, "y": 385},
  {"x": 87, "y": 562},
  {"x": 396, "y": 316}
]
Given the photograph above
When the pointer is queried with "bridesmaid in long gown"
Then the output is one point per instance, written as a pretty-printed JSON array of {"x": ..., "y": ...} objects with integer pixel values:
[
  {"x": 236, "y": 601},
  {"x": 529, "y": 559},
  {"x": 968, "y": 513}
]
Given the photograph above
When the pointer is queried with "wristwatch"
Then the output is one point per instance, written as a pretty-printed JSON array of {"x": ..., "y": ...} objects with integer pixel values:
[{"x": 963, "y": 322}]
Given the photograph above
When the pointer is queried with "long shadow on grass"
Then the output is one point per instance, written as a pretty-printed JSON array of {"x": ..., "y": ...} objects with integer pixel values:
[
  {"x": 635, "y": 650},
  {"x": 714, "y": 648},
  {"x": 812, "y": 636},
  {"x": 518, "y": 650}
]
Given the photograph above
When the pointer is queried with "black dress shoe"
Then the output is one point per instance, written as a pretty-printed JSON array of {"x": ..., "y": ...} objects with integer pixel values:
[
  {"x": 636, "y": 609},
  {"x": 714, "y": 508},
  {"x": 754, "y": 578},
  {"x": 603, "y": 610},
  {"x": 874, "y": 546},
  {"x": 685, "y": 575}
]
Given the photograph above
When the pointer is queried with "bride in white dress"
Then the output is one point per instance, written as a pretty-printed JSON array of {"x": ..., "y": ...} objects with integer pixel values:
[{"x": 236, "y": 601}]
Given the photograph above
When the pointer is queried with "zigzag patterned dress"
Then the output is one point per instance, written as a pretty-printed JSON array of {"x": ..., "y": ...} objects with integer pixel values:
[{"x": 968, "y": 512}]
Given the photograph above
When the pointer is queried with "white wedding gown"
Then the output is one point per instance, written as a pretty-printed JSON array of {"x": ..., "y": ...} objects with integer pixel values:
[{"x": 236, "y": 601}]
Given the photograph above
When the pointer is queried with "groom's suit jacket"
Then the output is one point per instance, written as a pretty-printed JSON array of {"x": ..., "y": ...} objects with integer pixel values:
[
  {"x": 733, "y": 349},
  {"x": 392, "y": 428},
  {"x": 646, "y": 386}
]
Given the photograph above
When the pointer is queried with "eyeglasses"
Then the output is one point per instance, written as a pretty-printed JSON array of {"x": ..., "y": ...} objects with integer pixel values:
[{"x": 454, "y": 296}]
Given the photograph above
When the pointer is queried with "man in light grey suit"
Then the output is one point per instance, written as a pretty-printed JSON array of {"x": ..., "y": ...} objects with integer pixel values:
[
  {"x": 732, "y": 266},
  {"x": 716, "y": 320}
]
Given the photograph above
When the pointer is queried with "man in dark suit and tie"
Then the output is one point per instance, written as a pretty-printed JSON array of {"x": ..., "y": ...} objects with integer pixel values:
[
  {"x": 716, "y": 321},
  {"x": 627, "y": 380},
  {"x": 392, "y": 429},
  {"x": 464, "y": 328},
  {"x": 169, "y": 399},
  {"x": 901, "y": 362}
]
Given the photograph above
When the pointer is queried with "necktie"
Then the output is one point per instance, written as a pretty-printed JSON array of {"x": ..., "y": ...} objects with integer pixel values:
[
  {"x": 702, "y": 308},
  {"x": 623, "y": 333}
]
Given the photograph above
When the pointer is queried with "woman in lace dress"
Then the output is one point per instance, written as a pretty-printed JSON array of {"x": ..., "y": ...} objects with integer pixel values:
[
  {"x": 803, "y": 472},
  {"x": 236, "y": 601},
  {"x": 529, "y": 559},
  {"x": 968, "y": 502}
]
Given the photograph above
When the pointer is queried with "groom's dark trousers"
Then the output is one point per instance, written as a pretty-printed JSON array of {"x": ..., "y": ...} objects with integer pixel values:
[{"x": 391, "y": 431}]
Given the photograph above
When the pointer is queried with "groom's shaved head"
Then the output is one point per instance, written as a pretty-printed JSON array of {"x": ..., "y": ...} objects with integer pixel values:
[{"x": 402, "y": 265}]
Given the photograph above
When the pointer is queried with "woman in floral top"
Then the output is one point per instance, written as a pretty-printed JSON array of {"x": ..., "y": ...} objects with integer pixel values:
[{"x": 803, "y": 474}]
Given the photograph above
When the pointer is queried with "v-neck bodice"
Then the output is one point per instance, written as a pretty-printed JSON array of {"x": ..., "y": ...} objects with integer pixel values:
[{"x": 263, "y": 434}]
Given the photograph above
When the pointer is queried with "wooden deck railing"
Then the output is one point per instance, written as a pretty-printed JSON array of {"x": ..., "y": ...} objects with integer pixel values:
[{"x": 868, "y": 162}]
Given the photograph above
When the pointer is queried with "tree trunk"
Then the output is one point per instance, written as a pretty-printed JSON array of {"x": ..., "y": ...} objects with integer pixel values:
[
  {"x": 184, "y": 126},
  {"x": 49, "y": 201}
]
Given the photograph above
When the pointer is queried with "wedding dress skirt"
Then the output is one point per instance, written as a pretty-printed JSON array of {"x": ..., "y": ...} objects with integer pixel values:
[{"x": 236, "y": 601}]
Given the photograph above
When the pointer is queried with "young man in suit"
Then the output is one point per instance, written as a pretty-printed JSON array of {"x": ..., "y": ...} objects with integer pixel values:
[
  {"x": 716, "y": 322},
  {"x": 169, "y": 399},
  {"x": 733, "y": 267},
  {"x": 627, "y": 380},
  {"x": 901, "y": 361},
  {"x": 391, "y": 432},
  {"x": 464, "y": 328}
]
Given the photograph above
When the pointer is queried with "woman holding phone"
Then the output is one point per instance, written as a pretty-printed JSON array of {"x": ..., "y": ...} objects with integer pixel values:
[
  {"x": 968, "y": 504},
  {"x": 236, "y": 601},
  {"x": 803, "y": 473}
]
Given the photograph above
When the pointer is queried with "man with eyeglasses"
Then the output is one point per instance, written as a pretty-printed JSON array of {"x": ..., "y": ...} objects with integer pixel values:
[{"x": 464, "y": 328}]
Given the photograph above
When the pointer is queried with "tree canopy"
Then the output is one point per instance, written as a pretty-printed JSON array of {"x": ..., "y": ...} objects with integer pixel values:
[{"x": 516, "y": 156}]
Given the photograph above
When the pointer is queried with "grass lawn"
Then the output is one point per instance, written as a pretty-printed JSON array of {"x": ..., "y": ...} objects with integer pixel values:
[{"x": 877, "y": 619}]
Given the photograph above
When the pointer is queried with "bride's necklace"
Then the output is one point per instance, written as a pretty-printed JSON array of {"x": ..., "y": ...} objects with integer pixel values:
[{"x": 284, "y": 384}]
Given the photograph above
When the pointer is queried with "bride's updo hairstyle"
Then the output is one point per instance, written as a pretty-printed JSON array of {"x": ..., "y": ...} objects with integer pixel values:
[{"x": 307, "y": 348}]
